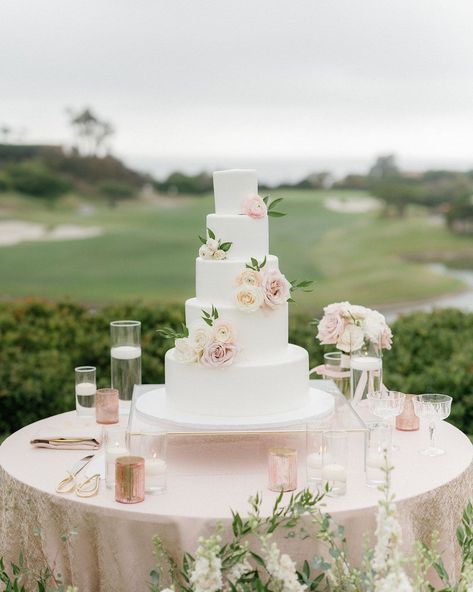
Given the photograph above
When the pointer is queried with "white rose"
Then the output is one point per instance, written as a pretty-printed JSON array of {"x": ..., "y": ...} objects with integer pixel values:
[
  {"x": 185, "y": 351},
  {"x": 374, "y": 325},
  {"x": 205, "y": 252},
  {"x": 219, "y": 255},
  {"x": 223, "y": 332},
  {"x": 212, "y": 244},
  {"x": 357, "y": 312},
  {"x": 351, "y": 339},
  {"x": 199, "y": 336},
  {"x": 249, "y": 298}
]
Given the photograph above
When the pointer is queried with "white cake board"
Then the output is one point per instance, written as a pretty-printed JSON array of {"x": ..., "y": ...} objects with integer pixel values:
[{"x": 152, "y": 407}]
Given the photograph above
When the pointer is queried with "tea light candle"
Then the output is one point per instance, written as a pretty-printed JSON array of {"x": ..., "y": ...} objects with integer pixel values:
[
  {"x": 366, "y": 363},
  {"x": 155, "y": 468},
  {"x": 85, "y": 389},
  {"x": 334, "y": 472},
  {"x": 282, "y": 469}
]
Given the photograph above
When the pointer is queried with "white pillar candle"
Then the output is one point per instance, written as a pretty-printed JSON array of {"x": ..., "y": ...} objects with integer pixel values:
[
  {"x": 334, "y": 472},
  {"x": 85, "y": 389},
  {"x": 314, "y": 460},
  {"x": 375, "y": 460},
  {"x": 155, "y": 474},
  {"x": 126, "y": 352},
  {"x": 366, "y": 363}
]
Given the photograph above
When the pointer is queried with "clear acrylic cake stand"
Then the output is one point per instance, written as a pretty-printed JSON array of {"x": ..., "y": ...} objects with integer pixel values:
[{"x": 196, "y": 444}]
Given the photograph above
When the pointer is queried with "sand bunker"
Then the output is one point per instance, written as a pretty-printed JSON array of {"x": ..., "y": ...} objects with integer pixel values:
[{"x": 13, "y": 232}]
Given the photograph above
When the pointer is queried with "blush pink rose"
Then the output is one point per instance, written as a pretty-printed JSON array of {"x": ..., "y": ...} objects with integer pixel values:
[
  {"x": 254, "y": 207},
  {"x": 276, "y": 288},
  {"x": 386, "y": 338},
  {"x": 333, "y": 323},
  {"x": 219, "y": 355}
]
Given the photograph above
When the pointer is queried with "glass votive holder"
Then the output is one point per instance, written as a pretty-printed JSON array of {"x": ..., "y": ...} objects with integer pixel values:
[
  {"x": 314, "y": 441},
  {"x": 282, "y": 469},
  {"x": 106, "y": 406},
  {"x": 152, "y": 447},
  {"x": 408, "y": 420},
  {"x": 130, "y": 479},
  {"x": 115, "y": 446},
  {"x": 85, "y": 390},
  {"x": 334, "y": 462},
  {"x": 377, "y": 451}
]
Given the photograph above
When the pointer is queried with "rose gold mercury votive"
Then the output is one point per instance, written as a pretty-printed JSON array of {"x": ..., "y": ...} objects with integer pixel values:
[
  {"x": 106, "y": 406},
  {"x": 408, "y": 420},
  {"x": 130, "y": 479},
  {"x": 282, "y": 469}
]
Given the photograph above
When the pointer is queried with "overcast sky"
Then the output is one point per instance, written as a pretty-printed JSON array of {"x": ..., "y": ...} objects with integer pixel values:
[{"x": 254, "y": 78}]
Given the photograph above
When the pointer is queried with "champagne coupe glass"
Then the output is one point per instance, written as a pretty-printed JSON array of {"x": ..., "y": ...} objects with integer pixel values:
[
  {"x": 433, "y": 408},
  {"x": 387, "y": 405}
]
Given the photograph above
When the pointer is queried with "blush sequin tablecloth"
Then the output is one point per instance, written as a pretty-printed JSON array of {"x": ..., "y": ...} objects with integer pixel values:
[{"x": 100, "y": 545}]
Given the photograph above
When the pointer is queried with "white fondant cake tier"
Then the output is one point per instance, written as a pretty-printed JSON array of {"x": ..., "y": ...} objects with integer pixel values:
[
  {"x": 249, "y": 237},
  {"x": 251, "y": 389},
  {"x": 261, "y": 335},
  {"x": 215, "y": 281},
  {"x": 232, "y": 187}
]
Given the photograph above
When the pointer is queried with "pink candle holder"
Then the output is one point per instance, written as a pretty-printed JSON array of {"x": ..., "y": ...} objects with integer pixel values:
[
  {"x": 106, "y": 406},
  {"x": 282, "y": 469},
  {"x": 130, "y": 479}
]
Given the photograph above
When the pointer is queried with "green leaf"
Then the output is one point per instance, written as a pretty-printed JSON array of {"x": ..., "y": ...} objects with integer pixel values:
[
  {"x": 208, "y": 321},
  {"x": 202, "y": 239},
  {"x": 263, "y": 263},
  {"x": 257, "y": 558},
  {"x": 274, "y": 214},
  {"x": 266, "y": 199},
  {"x": 290, "y": 300},
  {"x": 206, "y": 313},
  {"x": 254, "y": 262},
  {"x": 211, "y": 233},
  {"x": 276, "y": 201},
  {"x": 226, "y": 246}
]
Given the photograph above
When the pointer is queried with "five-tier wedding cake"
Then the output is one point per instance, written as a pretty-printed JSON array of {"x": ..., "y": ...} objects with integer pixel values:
[{"x": 232, "y": 358}]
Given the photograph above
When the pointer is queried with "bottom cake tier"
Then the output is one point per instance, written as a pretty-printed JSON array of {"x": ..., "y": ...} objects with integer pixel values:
[{"x": 240, "y": 390}]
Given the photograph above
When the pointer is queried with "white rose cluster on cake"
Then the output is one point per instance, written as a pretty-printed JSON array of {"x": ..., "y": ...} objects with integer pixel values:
[{"x": 237, "y": 361}]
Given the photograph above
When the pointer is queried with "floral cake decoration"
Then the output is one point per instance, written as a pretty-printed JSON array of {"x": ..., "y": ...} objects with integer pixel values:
[
  {"x": 210, "y": 342},
  {"x": 262, "y": 288},
  {"x": 213, "y": 248},
  {"x": 257, "y": 207}
]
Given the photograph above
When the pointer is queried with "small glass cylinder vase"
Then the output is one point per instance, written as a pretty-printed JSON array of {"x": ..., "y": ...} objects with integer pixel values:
[
  {"x": 85, "y": 391},
  {"x": 115, "y": 444},
  {"x": 377, "y": 451},
  {"x": 366, "y": 372},
  {"x": 130, "y": 480},
  {"x": 282, "y": 469},
  {"x": 152, "y": 447},
  {"x": 408, "y": 420},
  {"x": 337, "y": 368},
  {"x": 125, "y": 359},
  {"x": 335, "y": 461}
]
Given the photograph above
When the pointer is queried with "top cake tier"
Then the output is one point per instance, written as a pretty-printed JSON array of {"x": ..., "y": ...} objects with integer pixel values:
[{"x": 232, "y": 187}]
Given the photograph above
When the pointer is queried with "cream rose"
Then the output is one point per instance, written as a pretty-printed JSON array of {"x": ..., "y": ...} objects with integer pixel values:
[
  {"x": 254, "y": 207},
  {"x": 199, "y": 336},
  {"x": 185, "y": 351},
  {"x": 249, "y": 298},
  {"x": 212, "y": 244},
  {"x": 223, "y": 332},
  {"x": 276, "y": 288},
  {"x": 219, "y": 255},
  {"x": 219, "y": 355},
  {"x": 249, "y": 277},
  {"x": 205, "y": 252},
  {"x": 351, "y": 339}
]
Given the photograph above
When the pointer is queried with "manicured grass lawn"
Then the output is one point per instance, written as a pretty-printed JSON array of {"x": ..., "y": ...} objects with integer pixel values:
[{"x": 147, "y": 252}]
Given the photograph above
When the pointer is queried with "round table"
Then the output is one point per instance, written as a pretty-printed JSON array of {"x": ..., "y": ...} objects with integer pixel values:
[{"x": 98, "y": 544}]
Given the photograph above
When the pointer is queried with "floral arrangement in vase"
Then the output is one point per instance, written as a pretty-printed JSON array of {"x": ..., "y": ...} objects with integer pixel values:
[
  {"x": 210, "y": 342},
  {"x": 260, "y": 288},
  {"x": 350, "y": 327},
  {"x": 257, "y": 207},
  {"x": 213, "y": 248}
]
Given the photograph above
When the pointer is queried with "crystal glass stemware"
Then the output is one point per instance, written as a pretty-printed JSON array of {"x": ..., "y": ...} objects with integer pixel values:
[
  {"x": 387, "y": 405},
  {"x": 433, "y": 408}
]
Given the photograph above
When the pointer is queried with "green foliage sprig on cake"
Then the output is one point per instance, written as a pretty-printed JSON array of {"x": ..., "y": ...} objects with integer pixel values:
[
  {"x": 250, "y": 559},
  {"x": 42, "y": 342},
  {"x": 213, "y": 248},
  {"x": 259, "y": 287},
  {"x": 209, "y": 341},
  {"x": 271, "y": 204}
]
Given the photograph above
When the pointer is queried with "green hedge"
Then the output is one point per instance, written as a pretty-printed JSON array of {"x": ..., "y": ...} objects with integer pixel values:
[{"x": 41, "y": 343}]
